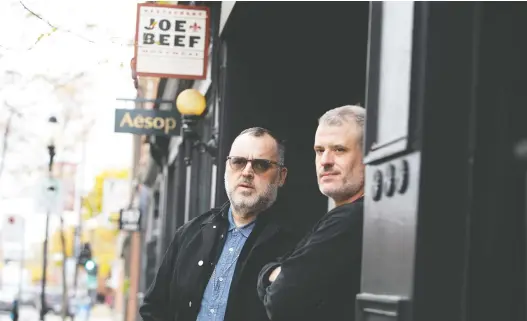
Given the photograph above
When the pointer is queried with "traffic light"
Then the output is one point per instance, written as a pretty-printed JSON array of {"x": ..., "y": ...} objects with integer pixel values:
[
  {"x": 91, "y": 267},
  {"x": 85, "y": 255}
]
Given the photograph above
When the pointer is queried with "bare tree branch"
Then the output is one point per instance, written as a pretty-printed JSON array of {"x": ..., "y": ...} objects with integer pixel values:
[
  {"x": 5, "y": 139},
  {"x": 76, "y": 123},
  {"x": 54, "y": 27},
  {"x": 37, "y": 15},
  {"x": 5, "y": 144},
  {"x": 58, "y": 82}
]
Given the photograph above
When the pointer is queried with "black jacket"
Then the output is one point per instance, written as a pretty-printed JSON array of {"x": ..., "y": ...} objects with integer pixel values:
[
  {"x": 177, "y": 290},
  {"x": 320, "y": 278}
]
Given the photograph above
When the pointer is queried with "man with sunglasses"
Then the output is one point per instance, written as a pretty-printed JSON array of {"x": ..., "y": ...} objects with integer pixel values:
[
  {"x": 320, "y": 278},
  {"x": 211, "y": 268}
]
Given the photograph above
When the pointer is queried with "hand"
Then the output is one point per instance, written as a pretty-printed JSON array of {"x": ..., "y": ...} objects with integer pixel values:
[{"x": 274, "y": 274}]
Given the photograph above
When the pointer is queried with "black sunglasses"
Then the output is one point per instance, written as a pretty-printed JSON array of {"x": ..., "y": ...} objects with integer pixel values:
[{"x": 259, "y": 166}]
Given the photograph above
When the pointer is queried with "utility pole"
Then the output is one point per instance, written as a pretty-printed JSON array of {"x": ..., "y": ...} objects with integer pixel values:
[
  {"x": 22, "y": 261},
  {"x": 43, "y": 305},
  {"x": 135, "y": 263},
  {"x": 51, "y": 190},
  {"x": 78, "y": 230}
]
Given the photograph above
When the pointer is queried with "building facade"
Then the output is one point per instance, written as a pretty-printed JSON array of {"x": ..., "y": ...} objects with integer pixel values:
[
  {"x": 430, "y": 93},
  {"x": 251, "y": 83}
]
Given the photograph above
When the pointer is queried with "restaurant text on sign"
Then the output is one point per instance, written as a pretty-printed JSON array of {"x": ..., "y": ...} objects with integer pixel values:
[
  {"x": 172, "y": 41},
  {"x": 179, "y": 40}
]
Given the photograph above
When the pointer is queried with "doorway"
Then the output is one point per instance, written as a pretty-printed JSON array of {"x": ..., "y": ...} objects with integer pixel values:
[{"x": 285, "y": 65}]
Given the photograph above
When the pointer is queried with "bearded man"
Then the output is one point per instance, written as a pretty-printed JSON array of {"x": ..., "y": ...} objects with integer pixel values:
[{"x": 211, "y": 267}]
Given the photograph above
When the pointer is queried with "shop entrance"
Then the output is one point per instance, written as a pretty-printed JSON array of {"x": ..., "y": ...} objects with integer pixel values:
[{"x": 285, "y": 65}]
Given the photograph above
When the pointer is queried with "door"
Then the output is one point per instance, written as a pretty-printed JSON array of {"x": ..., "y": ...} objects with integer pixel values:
[{"x": 418, "y": 152}]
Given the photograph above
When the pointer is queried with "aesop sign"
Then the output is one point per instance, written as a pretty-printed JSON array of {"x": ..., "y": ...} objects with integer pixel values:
[{"x": 147, "y": 122}]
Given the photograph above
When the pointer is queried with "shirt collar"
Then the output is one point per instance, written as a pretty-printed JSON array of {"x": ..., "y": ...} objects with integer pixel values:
[{"x": 245, "y": 230}]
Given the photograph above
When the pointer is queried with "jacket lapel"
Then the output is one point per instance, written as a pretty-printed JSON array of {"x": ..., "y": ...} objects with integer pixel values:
[
  {"x": 213, "y": 234},
  {"x": 264, "y": 231},
  {"x": 211, "y": 239}
]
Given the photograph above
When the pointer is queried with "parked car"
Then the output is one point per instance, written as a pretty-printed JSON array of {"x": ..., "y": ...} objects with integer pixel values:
[
  {"x": 29, "y": 297},
  {"x": 54, "y": 301},
  {"x": 7, "y": 299}
]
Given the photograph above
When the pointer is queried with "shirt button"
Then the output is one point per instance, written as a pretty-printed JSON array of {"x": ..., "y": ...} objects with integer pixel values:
[
  {"x": 189, "y": 304},
  {"x": 231, "y": 249},
  {"x": 214, "y": 226},
  {"x": 200, "y": 263},
  {"x": 221, "y": 279},
  {"x": 212, "y": 310}
]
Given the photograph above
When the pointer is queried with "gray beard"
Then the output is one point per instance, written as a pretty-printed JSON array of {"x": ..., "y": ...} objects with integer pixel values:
[{"x": 246, "y": 209}]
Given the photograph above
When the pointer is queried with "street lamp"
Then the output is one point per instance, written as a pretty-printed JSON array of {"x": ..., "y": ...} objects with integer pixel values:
[
  {"x": 52, "y": 135},
  {"x": 191, "y": 105}
]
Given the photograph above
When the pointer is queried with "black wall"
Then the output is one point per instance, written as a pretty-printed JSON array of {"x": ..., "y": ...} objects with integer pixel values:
[
  {"x": 286, "y": 64},
  {"x": 497, "y": 252}
]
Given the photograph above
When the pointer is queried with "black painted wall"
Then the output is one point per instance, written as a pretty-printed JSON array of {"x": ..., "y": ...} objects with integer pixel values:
[
  {"x": 286, "y": 64},
  {"x": 497, "y": 253}
]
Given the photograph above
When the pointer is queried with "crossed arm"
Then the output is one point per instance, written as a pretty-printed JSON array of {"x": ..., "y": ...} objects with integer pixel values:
[{"x": 303, "y": 280}]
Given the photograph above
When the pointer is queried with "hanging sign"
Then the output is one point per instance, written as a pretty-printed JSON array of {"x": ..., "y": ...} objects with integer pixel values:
[
  {"x": 172, "y": 41},
  {"x": 147, "y": 122},
  {"x": 130, "y": 220}
]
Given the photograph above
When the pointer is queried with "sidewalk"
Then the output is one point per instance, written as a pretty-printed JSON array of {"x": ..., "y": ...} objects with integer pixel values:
[{"x": 102, "y": 312}]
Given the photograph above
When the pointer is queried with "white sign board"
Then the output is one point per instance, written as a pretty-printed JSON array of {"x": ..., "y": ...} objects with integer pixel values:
[
  {"x": 130, "y": 220},
  {"x": 50, "y": 196},
  {"x": 13, "y": 237},
  {"x": 13, "y": 253},
  {"x": 172, "y": 41},
  {"x": 115, "y": 195},
  {"x": 13, "y": 229}
]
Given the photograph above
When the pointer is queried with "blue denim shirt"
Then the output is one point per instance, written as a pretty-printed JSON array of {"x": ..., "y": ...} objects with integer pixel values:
[{"x": 214, "y": 302}]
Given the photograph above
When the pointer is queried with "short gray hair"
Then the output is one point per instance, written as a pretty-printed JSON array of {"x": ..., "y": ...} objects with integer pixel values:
[
  {"x": 259, "y": 132},
  {"x": 345, "y": 114}
]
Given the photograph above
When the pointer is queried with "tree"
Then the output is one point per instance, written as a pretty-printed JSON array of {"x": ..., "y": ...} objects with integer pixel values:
[
  {"x": 67, "y": 94},
  {"x": 41, "y": 34},
  {"x": 7, "y": 132},
  {"x": 76, "y": 124},
  {"x": 92, "y": 204}
]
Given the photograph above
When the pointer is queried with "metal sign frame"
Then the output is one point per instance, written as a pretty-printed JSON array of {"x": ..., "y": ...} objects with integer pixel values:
[{"x": 206, "y": 40}]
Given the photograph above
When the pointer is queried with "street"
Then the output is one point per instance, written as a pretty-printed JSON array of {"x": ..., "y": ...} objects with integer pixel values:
[{"x": 99, "y": 313}]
